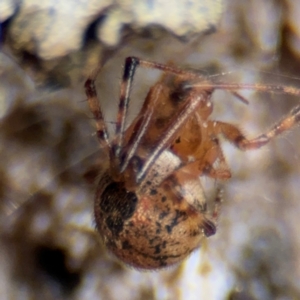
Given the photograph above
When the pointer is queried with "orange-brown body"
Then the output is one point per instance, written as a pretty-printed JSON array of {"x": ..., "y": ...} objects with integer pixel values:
[
  {"x": 164, "y": 219},
  {"x": 150, "y": 207}
]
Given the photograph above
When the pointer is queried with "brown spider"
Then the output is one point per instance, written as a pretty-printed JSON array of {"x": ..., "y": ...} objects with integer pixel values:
[{"x": 149, "y": 206}]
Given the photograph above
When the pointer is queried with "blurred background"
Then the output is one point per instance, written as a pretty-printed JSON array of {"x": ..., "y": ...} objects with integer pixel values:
[{"x": 49, "y": 249}]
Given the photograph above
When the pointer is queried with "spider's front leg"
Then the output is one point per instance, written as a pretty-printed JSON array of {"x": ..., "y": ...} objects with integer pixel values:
[{"x": 93, "y": 101}]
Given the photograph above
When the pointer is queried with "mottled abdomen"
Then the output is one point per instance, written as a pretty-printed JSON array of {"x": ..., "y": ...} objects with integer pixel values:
[{"x": 148, "y": 231}]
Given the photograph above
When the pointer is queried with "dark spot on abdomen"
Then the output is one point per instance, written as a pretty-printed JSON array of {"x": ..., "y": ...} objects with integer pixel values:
[
  {"x": 179, "y": 217},
  {"x": 118, "y": 205},
  {"x": 115, "y": 224}
]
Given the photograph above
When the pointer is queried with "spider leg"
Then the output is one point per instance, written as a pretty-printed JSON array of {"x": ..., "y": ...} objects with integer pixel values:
[
  {"x": 217, "y": 204},
  {"x": 214, "y": 154},
  {"x": 127, "y": 79},
  {"x": 240, "y": 97},
  {"x": 204, "y": 166},
  {"x": 234, "y": 135},
  {"x": 92, "y": 98},
  {"x": 233, "y": 87},
  {"x": 189, "y": 187},
  {"x": 140, "y": 127},
  {"x": 210, "y": 222}
]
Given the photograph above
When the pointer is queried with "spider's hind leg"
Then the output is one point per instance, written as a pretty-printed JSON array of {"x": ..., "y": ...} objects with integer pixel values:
[
  {"x": 234, "y": 135},
  {"x": 211, "y": 221}
]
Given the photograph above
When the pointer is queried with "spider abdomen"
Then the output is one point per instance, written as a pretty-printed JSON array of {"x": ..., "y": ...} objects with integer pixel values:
[{"x": 147, "y": 231}]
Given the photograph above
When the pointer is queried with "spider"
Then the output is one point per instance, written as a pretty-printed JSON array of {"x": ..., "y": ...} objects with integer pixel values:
[{"x": 150, "y": 208}]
